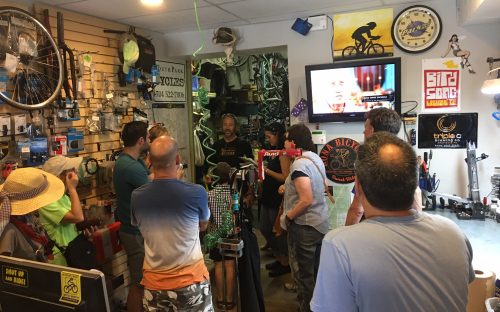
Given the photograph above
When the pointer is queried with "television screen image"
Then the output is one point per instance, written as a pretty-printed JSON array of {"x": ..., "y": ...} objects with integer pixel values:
[
  {"x": 34, "y": 286},
  {"x": 345, "y": 91}
]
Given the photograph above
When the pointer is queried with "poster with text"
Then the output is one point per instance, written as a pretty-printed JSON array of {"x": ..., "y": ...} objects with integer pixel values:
[
  {"x": 171, "y": 86},
  {"x": 441, "y": 79},
  {"x": 362, "y": 34}
]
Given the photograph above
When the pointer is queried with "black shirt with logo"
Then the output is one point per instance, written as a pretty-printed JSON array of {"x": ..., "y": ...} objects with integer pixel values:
[{"x": 231, "y": 152}]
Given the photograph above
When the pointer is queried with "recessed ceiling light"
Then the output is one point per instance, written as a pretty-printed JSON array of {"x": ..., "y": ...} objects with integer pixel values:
[{"x": 152, "y": 2}]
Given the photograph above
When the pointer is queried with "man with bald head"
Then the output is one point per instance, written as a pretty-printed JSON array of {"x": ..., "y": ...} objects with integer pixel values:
[
  {"x": 170, "y": 213},
  {"x": 398, "y": 259}
]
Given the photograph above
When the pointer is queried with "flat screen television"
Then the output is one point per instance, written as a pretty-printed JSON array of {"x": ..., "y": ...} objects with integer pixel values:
[
  {"x": 344, "y": 91},
  {"x": 34, "y": 286}
]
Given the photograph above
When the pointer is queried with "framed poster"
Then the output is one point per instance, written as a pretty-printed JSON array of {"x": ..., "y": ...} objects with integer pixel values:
[
  {"x": 447, "y": 130},
  {"x": 363, "y": 34},
  {"x": 171, "y": 86},
  {"x": 441, "y": 84}
]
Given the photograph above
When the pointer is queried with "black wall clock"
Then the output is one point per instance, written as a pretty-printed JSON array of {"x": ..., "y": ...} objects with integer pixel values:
[{"x": 416, "y": 29}]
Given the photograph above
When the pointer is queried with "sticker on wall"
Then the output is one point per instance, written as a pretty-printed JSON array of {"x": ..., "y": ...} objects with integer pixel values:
[
  {"x": 458, "y": 52},
  {"x": 441, "y": 84},
  {"x": 71, "y": 290},
  {"x": 363, "y": 34},
  {"x": 447, "y": 130},
  {"x": 339, "y": 156}
]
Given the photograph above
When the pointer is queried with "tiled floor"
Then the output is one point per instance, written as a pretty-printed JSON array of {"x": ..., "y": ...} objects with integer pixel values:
[{"x": 484, "y": 237}]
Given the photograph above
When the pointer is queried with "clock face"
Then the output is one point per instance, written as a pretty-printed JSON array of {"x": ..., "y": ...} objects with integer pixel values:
[{"x": 416, "y": 29}]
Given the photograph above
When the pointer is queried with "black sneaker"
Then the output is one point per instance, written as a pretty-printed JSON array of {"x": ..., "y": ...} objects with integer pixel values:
[
  {"x": 281, "y": 270},
  {"x": 273, "y": 265}
]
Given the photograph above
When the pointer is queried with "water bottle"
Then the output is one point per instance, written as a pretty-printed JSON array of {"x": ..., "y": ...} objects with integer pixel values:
[
  {"x": 154, "y": 73},
  {"x": 236, "y": 211}
]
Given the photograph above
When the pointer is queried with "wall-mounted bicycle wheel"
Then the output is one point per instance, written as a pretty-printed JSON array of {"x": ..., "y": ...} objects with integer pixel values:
[{"x": 31, "y": 69}]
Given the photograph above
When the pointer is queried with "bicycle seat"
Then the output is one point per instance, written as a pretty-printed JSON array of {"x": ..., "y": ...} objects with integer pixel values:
[{"x": 376, "y": 37}]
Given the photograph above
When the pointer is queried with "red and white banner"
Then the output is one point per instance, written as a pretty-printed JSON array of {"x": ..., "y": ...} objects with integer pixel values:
[{"x": 441, "y": 80}]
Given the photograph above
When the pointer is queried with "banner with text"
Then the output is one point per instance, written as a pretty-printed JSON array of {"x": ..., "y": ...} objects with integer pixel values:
[
  {"x": 171, "y": 86},
  {"x": 441, "y": 84},
  {"x": 453, "y": 130}
]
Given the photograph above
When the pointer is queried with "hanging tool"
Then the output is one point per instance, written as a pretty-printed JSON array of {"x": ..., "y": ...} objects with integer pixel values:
[{"x": 71, "y": 103}]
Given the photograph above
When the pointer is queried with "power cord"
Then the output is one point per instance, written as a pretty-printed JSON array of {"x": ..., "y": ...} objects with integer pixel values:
[{"x": 331, "y": 41}]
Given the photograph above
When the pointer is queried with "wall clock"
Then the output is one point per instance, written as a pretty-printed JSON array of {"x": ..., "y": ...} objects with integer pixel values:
[{"x": 416, "y": 29}]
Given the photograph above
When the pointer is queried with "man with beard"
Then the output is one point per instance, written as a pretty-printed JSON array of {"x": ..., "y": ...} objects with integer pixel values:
[
  {"x": 131, "y": 172},
  {"x": 230, "y": 148}
]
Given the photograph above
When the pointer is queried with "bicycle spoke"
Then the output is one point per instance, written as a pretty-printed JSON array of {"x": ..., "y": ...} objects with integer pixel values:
[
  {"x": 39, "y": 72},
  {"x": 45, "y": 64}
]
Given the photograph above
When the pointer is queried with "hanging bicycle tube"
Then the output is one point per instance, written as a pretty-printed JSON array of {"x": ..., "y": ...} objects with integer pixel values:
[{"x": 30, "y": 63}]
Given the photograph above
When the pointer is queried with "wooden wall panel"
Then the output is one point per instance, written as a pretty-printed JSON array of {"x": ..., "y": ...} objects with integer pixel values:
[{"x": 85, "y": 34}]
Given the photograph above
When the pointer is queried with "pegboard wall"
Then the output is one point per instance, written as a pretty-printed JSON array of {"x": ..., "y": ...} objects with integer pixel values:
[{"x": 85, "y": 34}]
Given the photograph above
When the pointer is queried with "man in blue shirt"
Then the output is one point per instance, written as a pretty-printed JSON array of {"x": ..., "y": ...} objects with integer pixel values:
[{"x": 130, "y": 172}]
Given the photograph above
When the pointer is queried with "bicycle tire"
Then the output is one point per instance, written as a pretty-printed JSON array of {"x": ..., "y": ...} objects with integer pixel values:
[
  {"x": 349, "y": 51},
  {"x": 41, "y": 71},
  {"x": 375, "y": 49}
]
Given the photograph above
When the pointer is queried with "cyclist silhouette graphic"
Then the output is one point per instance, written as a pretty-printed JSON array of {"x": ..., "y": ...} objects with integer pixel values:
[{"x": 362, "y": 45}]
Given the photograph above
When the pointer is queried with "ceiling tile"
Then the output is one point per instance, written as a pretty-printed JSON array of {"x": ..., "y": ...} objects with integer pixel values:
[
  {"x": 266, "y": 8},
  {"x": 58, "y": 2},
  {"x": 166, "y": 22},
  {"x": 120, "y": 9},
  {"x": 216, "y": 2}
]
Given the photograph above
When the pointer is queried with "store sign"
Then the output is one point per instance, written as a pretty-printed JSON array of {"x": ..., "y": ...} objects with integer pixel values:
[
  {"x": 171, "y": 86},
  {"x": 447, "y": 130},
  {"x": 339, "y": 156},
  {"x": 441, "y": 84}
]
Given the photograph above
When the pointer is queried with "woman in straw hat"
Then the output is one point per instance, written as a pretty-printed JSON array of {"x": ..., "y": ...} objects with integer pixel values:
[{"x": 25, "y": 191}]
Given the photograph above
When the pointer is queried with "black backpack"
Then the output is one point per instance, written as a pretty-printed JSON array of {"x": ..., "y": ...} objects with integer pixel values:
[
  {"x": 80, "y": 253},
  {"x": 147, "y": 55}
]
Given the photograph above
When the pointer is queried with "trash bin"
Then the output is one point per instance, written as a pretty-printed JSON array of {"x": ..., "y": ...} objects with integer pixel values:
[{"x": 493, "y": 304}]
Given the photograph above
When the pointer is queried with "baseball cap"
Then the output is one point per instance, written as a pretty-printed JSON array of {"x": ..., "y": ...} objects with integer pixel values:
[{"x": 57, "y": 164}]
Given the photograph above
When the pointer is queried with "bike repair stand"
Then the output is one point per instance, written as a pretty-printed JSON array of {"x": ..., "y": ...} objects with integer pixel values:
[
  {"x": 232, "y": 248},
  {"x": 475, "y": 209}
]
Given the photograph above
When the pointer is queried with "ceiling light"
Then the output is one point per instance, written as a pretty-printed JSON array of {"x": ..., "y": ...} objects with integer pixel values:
[
  {"x": 152, "y": 2},
  {"x": 492, "y": 85}
]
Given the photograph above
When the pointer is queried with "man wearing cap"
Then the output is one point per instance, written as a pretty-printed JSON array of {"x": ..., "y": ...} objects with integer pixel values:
[
  {"x": 130, "y": 172},
  {"x": 59, "y": 217},
  {"x": 170, "y": 214},
  {"x": 24, "y": 191}
]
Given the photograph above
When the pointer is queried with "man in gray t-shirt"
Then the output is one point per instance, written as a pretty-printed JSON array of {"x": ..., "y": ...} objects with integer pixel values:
[{"x": 398, "y": 259}]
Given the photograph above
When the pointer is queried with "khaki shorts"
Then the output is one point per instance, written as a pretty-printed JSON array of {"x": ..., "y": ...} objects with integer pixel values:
[{"x": 134, "y": 247}]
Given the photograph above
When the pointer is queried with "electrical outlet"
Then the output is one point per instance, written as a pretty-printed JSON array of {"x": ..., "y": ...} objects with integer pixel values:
[{"x": 318, "y": 22}]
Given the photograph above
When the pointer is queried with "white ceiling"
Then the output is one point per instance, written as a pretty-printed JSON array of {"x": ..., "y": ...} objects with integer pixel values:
[{"x": 179, "y": 15}]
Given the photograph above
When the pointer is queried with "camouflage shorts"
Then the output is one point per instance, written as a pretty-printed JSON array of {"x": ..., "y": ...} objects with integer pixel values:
[{"x": 192, "y": 298}]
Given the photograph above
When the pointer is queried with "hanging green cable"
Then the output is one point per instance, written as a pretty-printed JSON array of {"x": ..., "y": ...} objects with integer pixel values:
[
  {"x": 204, "y": 100},
  {"x": 199, "y": 29}
]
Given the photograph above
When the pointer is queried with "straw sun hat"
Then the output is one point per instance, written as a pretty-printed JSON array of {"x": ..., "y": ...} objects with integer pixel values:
[{"x": 28, "y": 189}]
